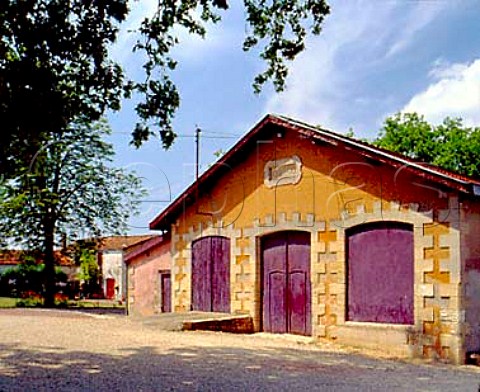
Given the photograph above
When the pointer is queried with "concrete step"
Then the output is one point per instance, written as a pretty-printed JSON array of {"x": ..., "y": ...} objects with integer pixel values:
[{"x": 225, "y": 323}]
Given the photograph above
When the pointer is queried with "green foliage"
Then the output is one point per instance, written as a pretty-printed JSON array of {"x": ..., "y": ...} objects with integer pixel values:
[
  {"x": 71, "y": 185},
  {"x": 69, "y": 190},
  {"x": 29, "y": 302},
  {"x": 57, "y": 78},
  {"x": 350, "y": 133},
  {"x": 88, "y": 265},
  {"x": 27, "y": 280},
  {"x": 54, "y": 67},
  {"x": 55, "y": 61},
  {"x": 89, "y": 270},
  {"x": 449, "y": 145},
  {"x": 281, "y": 24},
  {"x": 61, "y": 301},
  {"x": 7, "y": 302},
  {"x": 28, "y": 277}
]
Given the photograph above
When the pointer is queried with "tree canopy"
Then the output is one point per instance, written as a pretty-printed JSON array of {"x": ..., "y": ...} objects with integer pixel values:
[
  {"x": 69, "y": 189},
  {"x": 56, "y": 65},
  {"x": 450, "y": 144}
]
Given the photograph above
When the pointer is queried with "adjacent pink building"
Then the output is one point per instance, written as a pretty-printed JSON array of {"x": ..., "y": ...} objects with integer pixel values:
[{"x": 148, "y": 277}]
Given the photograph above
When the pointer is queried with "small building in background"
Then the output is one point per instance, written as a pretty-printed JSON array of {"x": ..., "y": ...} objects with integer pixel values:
[
  {"x": 111, "y": 254},
  {"x": 148, "y": 278}
]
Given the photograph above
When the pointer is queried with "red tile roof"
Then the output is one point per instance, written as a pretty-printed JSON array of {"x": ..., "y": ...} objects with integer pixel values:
[
  {"x": 16, "y": 256},
  {"x": 10, "y": 257},
  {"x": 273, "y": 122},
  {"x": 122, "y": 242}
]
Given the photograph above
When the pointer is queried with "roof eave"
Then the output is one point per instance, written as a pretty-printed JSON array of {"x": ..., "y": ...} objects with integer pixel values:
[
  {"x": 166, "y": 218},
  {"x": 161, "y": 222}
]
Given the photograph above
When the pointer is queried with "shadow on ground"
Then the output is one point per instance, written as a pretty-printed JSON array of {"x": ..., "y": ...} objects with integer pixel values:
[
  {"x": 101, "y": 311},
  {"x": 174, "y": 321},
  {"x": 204, "y": 368}
]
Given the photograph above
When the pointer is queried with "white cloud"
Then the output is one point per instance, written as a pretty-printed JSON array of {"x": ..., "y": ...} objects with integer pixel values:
[
  {"x": 412, "y": 23},
  {"x": 194, "y": 48},
  {"x": 358, "y": 38},
  {"x": 191, "y": 47},
  {"x": 314, "y": 83},
  {"x": 442, "y": 69},
  {"x": 455, "y": 93},
  {"x": 139, "y": 10}
]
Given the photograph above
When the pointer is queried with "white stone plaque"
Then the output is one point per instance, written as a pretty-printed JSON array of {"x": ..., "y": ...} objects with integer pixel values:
[{"x": 286, "y": 171}]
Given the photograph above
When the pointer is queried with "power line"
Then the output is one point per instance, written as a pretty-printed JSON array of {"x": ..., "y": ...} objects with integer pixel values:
[{"x": 219, "y": 136}]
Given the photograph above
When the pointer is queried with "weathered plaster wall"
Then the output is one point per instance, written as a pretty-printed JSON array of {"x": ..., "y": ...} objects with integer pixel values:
[
  {"x": 143, "y": 279},
  {"x": 113, "y": 267},
  {"x": 338, "y": 189}
]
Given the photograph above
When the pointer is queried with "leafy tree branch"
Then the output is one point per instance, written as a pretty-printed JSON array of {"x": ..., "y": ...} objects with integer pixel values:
[
  {"x": 56, "y": 64},
  {"x": 450, "y": 144}
]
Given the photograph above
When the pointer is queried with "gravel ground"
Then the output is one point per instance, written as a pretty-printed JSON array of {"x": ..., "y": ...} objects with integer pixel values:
[{"x": 55, "y": 350}]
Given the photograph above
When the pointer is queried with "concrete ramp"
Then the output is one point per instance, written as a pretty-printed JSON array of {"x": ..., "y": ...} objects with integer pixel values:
[
  {"x": 233, "y": 323},
  {"x": 200, "y": 321}
]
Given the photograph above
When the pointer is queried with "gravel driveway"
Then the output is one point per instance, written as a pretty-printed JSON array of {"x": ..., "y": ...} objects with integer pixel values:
[{"x": 54, "y": 350}]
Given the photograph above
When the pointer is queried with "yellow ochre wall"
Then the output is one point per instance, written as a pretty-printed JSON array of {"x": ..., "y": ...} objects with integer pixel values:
[{"x": 338, "y": 189}]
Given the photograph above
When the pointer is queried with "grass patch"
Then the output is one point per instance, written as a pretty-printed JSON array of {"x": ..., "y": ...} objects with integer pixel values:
[{"x": 7, "y": 302}]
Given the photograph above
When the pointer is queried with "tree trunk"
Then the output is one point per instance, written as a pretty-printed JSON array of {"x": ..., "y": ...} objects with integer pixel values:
[{"x": 49, "y": 260}]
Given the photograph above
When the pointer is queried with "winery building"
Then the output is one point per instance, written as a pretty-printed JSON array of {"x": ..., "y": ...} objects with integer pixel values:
[{"x": 314, "y": 233}]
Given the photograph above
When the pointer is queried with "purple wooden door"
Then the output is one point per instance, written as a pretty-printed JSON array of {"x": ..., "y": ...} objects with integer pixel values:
[
  {"x": 220, "y": 274},
  {"x": 286, "y": 283},
  {"x": 380, "y": 273},
  {"x": 275, "y": 283},
  {"x": 299, "y": 296},
  {"x": 211, "y": 274},
  {"x": 201, "y": 275},
  {"x": 166, "y": 292}
]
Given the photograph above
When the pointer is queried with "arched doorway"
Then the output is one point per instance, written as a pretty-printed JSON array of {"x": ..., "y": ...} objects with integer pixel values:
[
  {"x": 286, "y": 288},
  {"x": 380, "y": 273}
]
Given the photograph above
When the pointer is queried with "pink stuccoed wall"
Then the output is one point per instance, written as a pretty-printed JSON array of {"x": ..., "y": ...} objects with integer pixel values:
[{"x": 144, "y": 279}]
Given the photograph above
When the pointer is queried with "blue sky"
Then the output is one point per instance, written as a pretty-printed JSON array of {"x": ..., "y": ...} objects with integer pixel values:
[{"x": 374, "y": 58}]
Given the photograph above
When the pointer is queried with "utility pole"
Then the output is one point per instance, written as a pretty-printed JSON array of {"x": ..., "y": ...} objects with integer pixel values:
[
  {"x": 197, "y": 147},
  {"x": 197, "y": 158}
]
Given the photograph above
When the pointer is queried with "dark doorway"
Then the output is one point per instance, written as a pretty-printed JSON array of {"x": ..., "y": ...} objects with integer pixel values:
[
  {"x": 165, "y": 292},
  {"x": 211, "y": 274},
  {"x": 286, "y": 287},
  {"x": 110, "y": 291}
]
